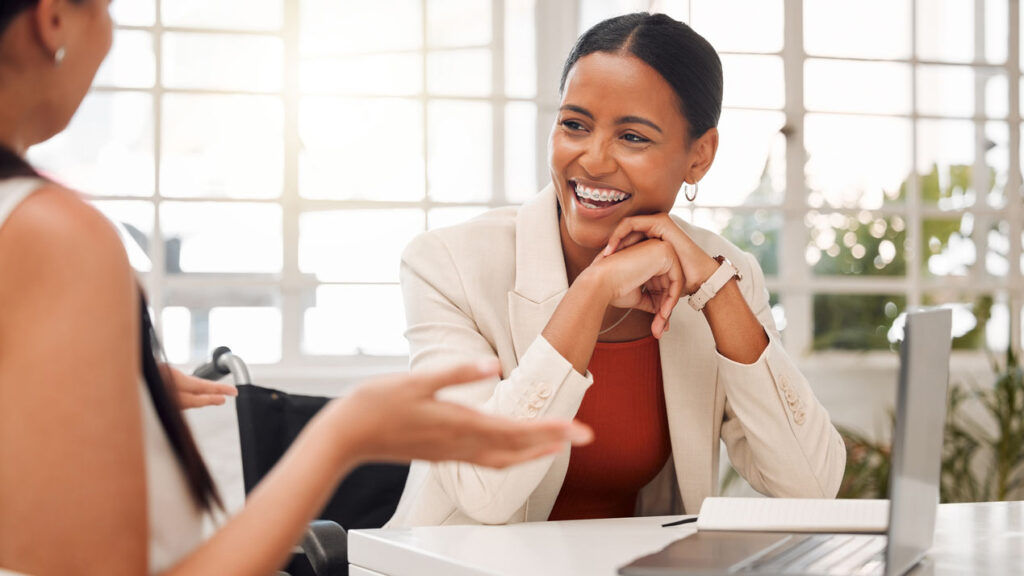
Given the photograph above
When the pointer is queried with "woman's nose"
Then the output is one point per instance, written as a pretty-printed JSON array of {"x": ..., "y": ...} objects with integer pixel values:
[{"x": 596, "y": 159}]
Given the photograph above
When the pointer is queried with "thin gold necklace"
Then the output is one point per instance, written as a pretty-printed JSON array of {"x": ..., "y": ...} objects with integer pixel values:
[{"x": 617, "y": 322}]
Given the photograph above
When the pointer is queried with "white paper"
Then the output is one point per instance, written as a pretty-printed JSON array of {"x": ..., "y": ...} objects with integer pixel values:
[{"x": 794, "y": 515}]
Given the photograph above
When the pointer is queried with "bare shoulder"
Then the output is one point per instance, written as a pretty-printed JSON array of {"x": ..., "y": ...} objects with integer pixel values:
[
  {"x": 56, "y": 245},
  {"x": 56, "y": 229}
]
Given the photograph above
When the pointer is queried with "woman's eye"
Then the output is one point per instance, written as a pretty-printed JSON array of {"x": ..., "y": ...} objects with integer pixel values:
[
  {"x": 635, "y": 138},
  {"x": 572, "y": 125}
]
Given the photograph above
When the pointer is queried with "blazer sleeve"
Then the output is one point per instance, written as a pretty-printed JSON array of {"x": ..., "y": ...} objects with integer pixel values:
[
  {"x": 443, "y": 330},
  {"x": 779, "y": 437}
]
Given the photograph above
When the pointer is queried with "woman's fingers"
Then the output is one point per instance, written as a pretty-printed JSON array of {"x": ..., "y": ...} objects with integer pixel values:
[
  {"x": 429, "y": 382},
  {"x": 644, "y": 227},
  {"x": 196, "y": 392},
  {"x": 502, "y": 442}
]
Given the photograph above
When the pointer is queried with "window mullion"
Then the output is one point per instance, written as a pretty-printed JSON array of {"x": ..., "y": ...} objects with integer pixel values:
[
  {"x": 1013, "y": 184},
  {"x": 292, "y": 288},
  {"x": 798, "y": 303}
]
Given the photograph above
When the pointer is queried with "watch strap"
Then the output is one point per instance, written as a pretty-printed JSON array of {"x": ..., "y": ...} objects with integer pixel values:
[{"x": 725, "y": 272}]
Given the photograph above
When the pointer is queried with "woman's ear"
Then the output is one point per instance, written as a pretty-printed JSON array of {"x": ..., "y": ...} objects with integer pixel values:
[
  {"x": 50, "y": 22},
  {"x": 702, "y": 155}
]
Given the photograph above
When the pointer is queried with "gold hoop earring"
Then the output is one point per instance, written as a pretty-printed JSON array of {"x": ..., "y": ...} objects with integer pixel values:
[
  {"x": 59, "y": 55},
  {"x": 686, "y": 191}
]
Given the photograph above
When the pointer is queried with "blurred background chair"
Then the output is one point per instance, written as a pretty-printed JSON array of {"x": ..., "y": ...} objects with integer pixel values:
[{"x": 269, "y": 420}]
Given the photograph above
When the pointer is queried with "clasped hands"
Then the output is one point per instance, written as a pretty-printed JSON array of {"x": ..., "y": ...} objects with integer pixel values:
[{"x": 649, "y": 263}]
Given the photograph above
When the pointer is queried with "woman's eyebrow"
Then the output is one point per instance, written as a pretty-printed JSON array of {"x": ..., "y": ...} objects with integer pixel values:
[
  {"x": 618, "y": 121},
  {"x": 638, "y": 120}
]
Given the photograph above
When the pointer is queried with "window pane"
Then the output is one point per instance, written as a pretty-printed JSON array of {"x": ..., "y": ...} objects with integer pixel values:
[
  {"x": 134, "y": 223},
  {"x": 945, "y": 90},
  {"x": 520, "y": 151},
  {"x": 460, "y": 140},
  {"x": 246, "y": 318},
  {"x": 949, "y": 250},
  {"x": 108, "y": 147},
  {"x": 223, "y": 14},
  {"x": 374, "y": 74},
  {"x": 855, "y": 321},
  {"x": 756, "y": 231},
  {"x": 857, "y": 162},
  {"x": 997, "y": 17},
  {"x": 254, "y": 334},
  {"x": 222, "y": 146},
  {"x": 330, "y": 27},
  {"x": 211, "y": 237},
  {"x": 520, "y": 49},
  {"x": 758, "y": 30},
  {"x": 997, "y": 257},
  {"x": 945, "y": 30},
  {"x": 222, "y": 62},
  {"x": 594, "y": 11},
  {"x": 972, "y": 317},
  {"x": 131, "y": 62},
  {"x": 750, "y": 165},
  {"x": 361, "y": 148},
  {"x": 848, "y": 86},
  {"x": 459, "y": 72},
  {"x": 841, "y": 28},
  {"x": 678, "y": 9},
  {"x": 861, "y": 244},
  {"x": 356, "y": 320},
  {"x": 133, "y": 12},
  {"x": 753, "y": 81},
  {"x": 356, "y": 245},
  {"x": 176, "y": 334},
  {"x": 458, "y": 23},
  {"x": 945, "y": 161},
  {"x": 442, "y": 217}
]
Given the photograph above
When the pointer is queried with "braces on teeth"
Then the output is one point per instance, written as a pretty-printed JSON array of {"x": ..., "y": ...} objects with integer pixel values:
[{"x": 600, "y": 195}]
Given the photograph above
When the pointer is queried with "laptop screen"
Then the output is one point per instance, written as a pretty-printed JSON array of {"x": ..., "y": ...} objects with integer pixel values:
[{"x": 917, "y": 437}]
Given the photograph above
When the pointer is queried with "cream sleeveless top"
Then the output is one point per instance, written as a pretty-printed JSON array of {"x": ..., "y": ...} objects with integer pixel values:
[{"x": 175, "y": 523}]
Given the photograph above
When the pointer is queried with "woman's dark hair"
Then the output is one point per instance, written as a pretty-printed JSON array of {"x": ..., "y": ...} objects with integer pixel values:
[
  {"x": 200, "y": 483},
  {"x": 683, "y": 58}
]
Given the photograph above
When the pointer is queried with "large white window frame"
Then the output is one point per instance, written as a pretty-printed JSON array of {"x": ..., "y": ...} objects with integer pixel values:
[{"x": 556, "y": 28}]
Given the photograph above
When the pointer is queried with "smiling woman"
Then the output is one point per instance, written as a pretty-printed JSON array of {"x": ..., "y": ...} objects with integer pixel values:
[{"x": 575, "y": 292}]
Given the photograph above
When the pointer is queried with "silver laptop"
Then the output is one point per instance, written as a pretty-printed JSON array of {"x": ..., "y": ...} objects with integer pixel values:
[{"x": 913, "y": 489}]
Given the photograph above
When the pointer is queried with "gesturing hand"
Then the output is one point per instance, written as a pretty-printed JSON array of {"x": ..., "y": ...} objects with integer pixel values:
[{"x": 399, "y": 419}]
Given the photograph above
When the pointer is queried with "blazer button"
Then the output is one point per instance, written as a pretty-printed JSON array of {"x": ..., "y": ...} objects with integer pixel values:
[{"x": 532, "y": 412}]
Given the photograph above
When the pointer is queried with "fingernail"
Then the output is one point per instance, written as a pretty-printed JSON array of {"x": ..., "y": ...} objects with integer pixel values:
[{"x": 607, "y": 250}]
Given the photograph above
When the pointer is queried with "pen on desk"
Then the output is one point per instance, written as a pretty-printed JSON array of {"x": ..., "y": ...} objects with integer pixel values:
[{"x": 680, "y": 522}]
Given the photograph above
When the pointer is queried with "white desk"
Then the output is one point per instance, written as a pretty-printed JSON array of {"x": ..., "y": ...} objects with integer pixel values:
[{"x": 983, "y": 539}]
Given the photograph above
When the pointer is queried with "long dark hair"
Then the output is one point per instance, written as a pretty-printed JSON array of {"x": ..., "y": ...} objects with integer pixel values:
[
  {"x": 683, "y": 58},
  {"x": 200, "y": 483}
]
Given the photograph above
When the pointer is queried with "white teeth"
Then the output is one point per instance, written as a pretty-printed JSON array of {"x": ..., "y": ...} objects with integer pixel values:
[{"x": 600, "y": 195}]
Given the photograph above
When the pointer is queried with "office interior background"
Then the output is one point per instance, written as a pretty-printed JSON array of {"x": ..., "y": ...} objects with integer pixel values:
[{"x": 267, "y": 160}]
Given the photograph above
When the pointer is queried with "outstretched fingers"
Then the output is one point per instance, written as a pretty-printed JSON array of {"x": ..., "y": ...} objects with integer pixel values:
[{"x": 429, "y": 382}]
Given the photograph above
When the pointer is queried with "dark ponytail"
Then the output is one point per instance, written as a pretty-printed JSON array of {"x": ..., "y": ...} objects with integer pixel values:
[
  {"x": 156, "y": 376},
  {"x": 683, "y": 58}
]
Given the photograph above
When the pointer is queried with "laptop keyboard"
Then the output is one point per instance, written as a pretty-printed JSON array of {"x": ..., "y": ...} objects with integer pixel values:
[{"x": 824, "y": 554}]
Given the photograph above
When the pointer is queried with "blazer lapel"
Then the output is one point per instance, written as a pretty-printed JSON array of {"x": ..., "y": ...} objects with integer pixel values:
[
  {"x": 689, "y": 375},
  {"x": 541, "y": 280}
]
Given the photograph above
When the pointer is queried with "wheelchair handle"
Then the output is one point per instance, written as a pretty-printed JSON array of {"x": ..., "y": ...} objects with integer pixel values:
[{"x": 223, "y": 362}]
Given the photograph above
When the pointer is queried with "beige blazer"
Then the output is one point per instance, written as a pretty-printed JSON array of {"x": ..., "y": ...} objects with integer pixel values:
[{"x": 486, "y": 289}]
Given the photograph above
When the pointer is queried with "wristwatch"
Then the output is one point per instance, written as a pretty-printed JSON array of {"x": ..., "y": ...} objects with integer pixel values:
[{"x": 711, "y": 286}]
